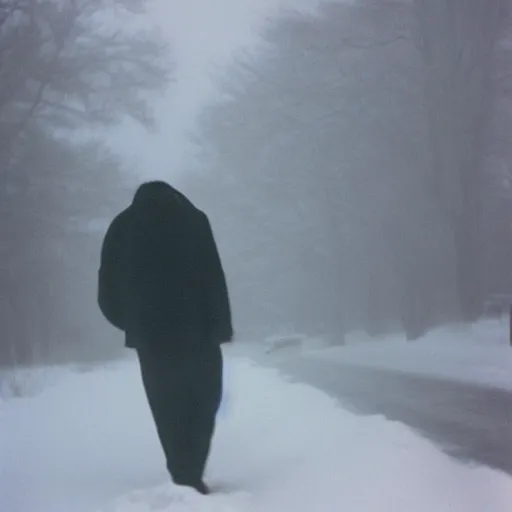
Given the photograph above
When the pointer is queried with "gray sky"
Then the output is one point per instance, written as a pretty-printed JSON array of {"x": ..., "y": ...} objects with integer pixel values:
[{"x": 204, "y": 34}]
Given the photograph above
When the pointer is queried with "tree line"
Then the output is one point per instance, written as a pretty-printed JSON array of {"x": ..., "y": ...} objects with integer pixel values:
[
  {"x": 350, "y": 167},
  {"x": 67, "y": 69},
  {"x": 356, "y": 166}
]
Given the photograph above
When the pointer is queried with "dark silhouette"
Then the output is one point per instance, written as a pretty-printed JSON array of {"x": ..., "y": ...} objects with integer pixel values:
[{"x": 161, "y": 281}]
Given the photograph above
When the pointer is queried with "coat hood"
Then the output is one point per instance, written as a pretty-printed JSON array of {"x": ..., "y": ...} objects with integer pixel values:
[{"x": 159, "y": 196}]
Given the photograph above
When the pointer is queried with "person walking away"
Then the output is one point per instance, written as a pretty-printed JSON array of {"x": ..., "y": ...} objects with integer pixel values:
[{"x": 161, "y": 281}]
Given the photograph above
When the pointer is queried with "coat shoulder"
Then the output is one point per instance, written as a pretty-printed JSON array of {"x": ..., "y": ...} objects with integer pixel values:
[
  {"x": 119, "y": 223},
  {"x": 121, "y": 218},
  {"x": 199, "y": 218}
]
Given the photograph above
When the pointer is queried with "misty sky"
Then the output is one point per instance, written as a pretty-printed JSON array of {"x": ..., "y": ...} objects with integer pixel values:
[{"x": 204, "y": 35}]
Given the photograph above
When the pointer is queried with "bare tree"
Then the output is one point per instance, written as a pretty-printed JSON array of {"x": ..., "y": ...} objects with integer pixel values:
[
  {"x": 61, "y": 67},
  {"x": 320, "y": 147},
  {"x": 457, "y": 40},
  {"x": 64, "y": 68}
]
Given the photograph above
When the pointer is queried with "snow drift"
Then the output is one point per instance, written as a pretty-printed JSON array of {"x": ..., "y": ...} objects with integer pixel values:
[{"x": 88, "y": 444}]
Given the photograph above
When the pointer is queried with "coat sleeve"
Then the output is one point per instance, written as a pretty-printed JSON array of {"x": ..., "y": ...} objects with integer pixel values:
[
  {"x": 110, "y": 297},
  {"x": 218, "y": 308}
]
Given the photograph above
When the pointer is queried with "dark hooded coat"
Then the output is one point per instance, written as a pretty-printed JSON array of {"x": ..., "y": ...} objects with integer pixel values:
[{"x": 161, "y": 280}]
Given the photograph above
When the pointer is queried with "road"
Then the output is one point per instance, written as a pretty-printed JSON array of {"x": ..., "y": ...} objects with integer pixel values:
[{"x": 469, "y": 422}]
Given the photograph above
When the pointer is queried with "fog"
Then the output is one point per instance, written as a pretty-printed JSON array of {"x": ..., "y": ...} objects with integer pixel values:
[
  {"x": 354, "y": 159},
  {"x": 204, "y": 38}
]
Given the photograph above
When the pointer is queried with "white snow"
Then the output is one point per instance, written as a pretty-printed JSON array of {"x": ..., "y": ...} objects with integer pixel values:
[
  {"x": 479, "y": 353},
  {"x": 87, "y": 443}
]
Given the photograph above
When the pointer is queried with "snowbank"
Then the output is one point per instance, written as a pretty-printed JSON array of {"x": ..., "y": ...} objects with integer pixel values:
[
  {"x": 30, "y": 381},
  {"x": 24, "y": 382},
  {"x": 479, "y": 353},
  {"x": 88, "y": 444}
]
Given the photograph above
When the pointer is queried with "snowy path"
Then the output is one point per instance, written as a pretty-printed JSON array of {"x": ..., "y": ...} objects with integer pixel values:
[
  {"x": 469, "y": 421},
  {"x": 86, "y": 443}
]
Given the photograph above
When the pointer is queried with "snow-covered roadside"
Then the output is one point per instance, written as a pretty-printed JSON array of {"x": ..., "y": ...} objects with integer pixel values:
[
  {"x": 27, "y": 381},
  {"x": 480, "y": 353},
  {"x": 88, "y": 444}
]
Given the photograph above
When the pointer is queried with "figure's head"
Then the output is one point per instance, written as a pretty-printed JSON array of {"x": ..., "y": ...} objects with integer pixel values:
[
  {"x": 154, "y": 193},
  {"x": 158, "y": 196}
]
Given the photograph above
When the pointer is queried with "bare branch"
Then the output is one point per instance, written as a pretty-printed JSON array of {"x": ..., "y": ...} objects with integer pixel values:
[
  {"x": 374, "y": 44},
  {"x": 74, "y": 71}
]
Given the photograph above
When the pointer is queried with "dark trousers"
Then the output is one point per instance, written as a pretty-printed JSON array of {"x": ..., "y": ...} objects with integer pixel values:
[{"x": 184, "y": 393}]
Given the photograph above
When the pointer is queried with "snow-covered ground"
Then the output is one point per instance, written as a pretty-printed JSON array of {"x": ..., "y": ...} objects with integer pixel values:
[
  {"x": 86, "y": 443},
  {"x": 479, "y": 353}
]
